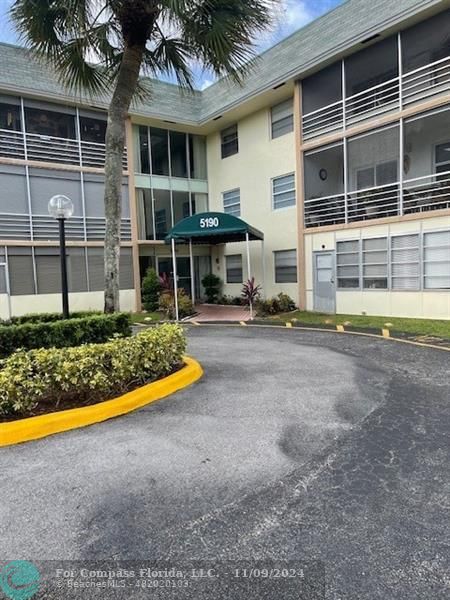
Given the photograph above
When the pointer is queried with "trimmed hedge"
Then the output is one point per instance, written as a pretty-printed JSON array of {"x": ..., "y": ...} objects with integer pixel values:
[
  {"x": 90, "y": 373},
  {"x": 63, "y": 333},
  {"x": 48, "y": 317}
]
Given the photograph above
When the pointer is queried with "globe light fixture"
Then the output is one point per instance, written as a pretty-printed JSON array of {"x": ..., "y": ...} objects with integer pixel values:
[{"x": 60, "y": 207}]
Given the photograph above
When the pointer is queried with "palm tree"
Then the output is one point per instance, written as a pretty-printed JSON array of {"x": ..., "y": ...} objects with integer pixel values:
[{"x": 103, "y": 46}]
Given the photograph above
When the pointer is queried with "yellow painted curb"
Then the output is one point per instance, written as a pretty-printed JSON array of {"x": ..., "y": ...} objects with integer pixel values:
[
  {"x": 288, "y": 324},
  {"x": 340, "y": 328},
  {"x": 33, "y": 428},
  {"x": 243, "y": 323}
]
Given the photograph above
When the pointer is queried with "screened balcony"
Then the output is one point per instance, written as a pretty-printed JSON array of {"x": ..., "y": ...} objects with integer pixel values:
[
  {"x": 394, "y": 73},
  {"x": 374, "y": 176},
  {"x": 50, "y": 135}
]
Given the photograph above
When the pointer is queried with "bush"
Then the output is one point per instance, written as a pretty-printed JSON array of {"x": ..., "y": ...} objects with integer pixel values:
[
  {"x": 62, "y": 333},
  {"x": 212, "y": 285},
  {"x": 272, "y": 306},
  {"x": 230, "y": 300},
  {"x": 151, "y": 288},
  {"x": 88, "y": 373},
  {"x": 48, "y": 317},
  {"x": 167, "y": 304}
]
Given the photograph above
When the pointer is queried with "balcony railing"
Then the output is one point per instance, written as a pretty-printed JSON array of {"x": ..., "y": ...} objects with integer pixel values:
[
  {"x": 428, "y": 81},
  {"x": 416, "y": 86},
  {"x": 324, "y": 120},
  {"x": 377, "y": 100},
  {"x": 329, "y": 210},
  {"x": 428, "y": 193},
  {"x": 44, "y": 228},
  {"x": 44, "y": 148}
]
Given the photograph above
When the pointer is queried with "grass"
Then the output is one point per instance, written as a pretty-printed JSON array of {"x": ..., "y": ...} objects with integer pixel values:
[
  {"x": 142, "y": 317},
  {"x": 432, "y": 327}
]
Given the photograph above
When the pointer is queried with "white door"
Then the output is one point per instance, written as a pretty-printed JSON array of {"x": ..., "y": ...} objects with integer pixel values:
[{"x": 324, "y": 282}]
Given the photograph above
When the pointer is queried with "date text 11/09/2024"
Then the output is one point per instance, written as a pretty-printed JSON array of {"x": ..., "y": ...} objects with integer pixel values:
[{"x": 199, "y": 573}]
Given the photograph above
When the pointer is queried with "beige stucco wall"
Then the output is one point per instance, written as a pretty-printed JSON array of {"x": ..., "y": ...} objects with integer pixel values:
[
  {"x": 21, "y": 305},
  {"x": 259, "y": 160},
  {"x": 420, "y": 304}
]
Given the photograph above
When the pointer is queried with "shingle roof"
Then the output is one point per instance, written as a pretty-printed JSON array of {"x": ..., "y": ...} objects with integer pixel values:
[{"x": 307, "y": 48}]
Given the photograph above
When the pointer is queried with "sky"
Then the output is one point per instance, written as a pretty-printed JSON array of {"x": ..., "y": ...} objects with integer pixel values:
[{"x": 293, "y": 15}]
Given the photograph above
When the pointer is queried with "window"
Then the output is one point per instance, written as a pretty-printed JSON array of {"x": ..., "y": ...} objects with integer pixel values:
[
  {"x": 234, "y": 268},
  {"x": 282, "y": 118},
  {"x": 93, "y": 130},
  {"x": 178, "y": 154},
  {"x": 347, "y": 256},
  {"x": 159, "y": 142},
  {"x": 21, "y": 271},
  {"x": 10, "y": 116},
  {"x": 197, "y": 156},
  {"x": 232, "y": 202},
  {"x": 229, "y": 141},
  {"x": 322, "y": 88},
  {"x": 405, "y": 262},
  {"x": 442, "y": 158},
  {"x": 436, "y": 260},
  {"x": 283, "y": 191},
  {"x": 144, "y": 151},
  {"x": 285, "y": 266},
  {"x": 381, "y": 174},
  {"x": 375, "y": 263},
  {"x": 49, "y": 122},
  {"x": 426, "y": 42}
]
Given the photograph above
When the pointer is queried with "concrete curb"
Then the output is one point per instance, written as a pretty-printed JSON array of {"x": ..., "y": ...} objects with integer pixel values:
[{"x": 33, "y": 428}]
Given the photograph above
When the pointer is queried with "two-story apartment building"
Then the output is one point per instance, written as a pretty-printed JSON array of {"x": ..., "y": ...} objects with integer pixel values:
[{"x": 337, "y": 148}]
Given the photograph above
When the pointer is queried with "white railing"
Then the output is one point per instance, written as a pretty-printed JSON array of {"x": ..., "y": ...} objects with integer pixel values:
[
  {"x": 324, "y": 120},
  {"x": 52, "y": 149},
  {"x": 427, "y": 81},
  {"x": 46, "y": 228},
  {"x": 43, "y": 227},
  {"x": 11, "y": 144},
  {"x": 428, "y": 193},
  {"x": 95, "y": 229},
  {"x": 14, "y": 227},
  {"x": 329, "y": 210},
  {"x": 373, "y": 203},
  {"x": 373, "y": 102},
  {"x": 419, "y": 85},
  {"x": 431, "y": 192}
]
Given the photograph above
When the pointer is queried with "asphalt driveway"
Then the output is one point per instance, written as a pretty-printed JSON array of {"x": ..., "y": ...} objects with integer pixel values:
[{"x": 301, "y": 446}]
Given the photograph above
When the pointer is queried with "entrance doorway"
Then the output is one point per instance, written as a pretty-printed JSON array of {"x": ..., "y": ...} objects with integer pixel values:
[{"x": 324, "y": 282}]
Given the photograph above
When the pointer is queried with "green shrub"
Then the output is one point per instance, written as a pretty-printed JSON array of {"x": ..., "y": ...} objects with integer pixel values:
[
  {"x": 89, "y": 373},
  {"x": 230, "y": 300},
  {"x": 273, "y": 306},
  {"x": 212, "y": 285},
  {"x": 151, "y": 287},
  {"x": 167, "y": 304},
  {"x": 47, "y": 317},
  {"x": 62, "y": 333}
]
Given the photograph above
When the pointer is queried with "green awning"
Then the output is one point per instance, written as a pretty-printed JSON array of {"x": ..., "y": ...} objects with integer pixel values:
[{"x": 213, "y": 228}]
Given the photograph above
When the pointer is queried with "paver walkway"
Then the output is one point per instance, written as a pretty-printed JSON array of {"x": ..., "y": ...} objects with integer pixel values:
[{"x": 215, "y": 312}]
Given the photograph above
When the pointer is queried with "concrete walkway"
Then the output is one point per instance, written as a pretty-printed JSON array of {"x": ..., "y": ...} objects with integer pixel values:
[
  {"x": 297, "y": 446},
  {"x": 216, "y": 312}
]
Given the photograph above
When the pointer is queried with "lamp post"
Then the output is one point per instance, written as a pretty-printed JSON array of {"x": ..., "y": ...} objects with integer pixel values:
[{"x": 61, "y": 208}]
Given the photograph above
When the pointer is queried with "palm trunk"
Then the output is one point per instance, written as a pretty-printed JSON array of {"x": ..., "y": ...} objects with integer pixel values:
[{"x": 115, "y": 142}]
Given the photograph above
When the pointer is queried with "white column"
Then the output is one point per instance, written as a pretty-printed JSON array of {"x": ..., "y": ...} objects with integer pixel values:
[
  {"x": 263, "y": 268},
  {"x": 249, "y": 272},
  {"x": 191, "y": 260},
  {"x": 175, "y": 279}
]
